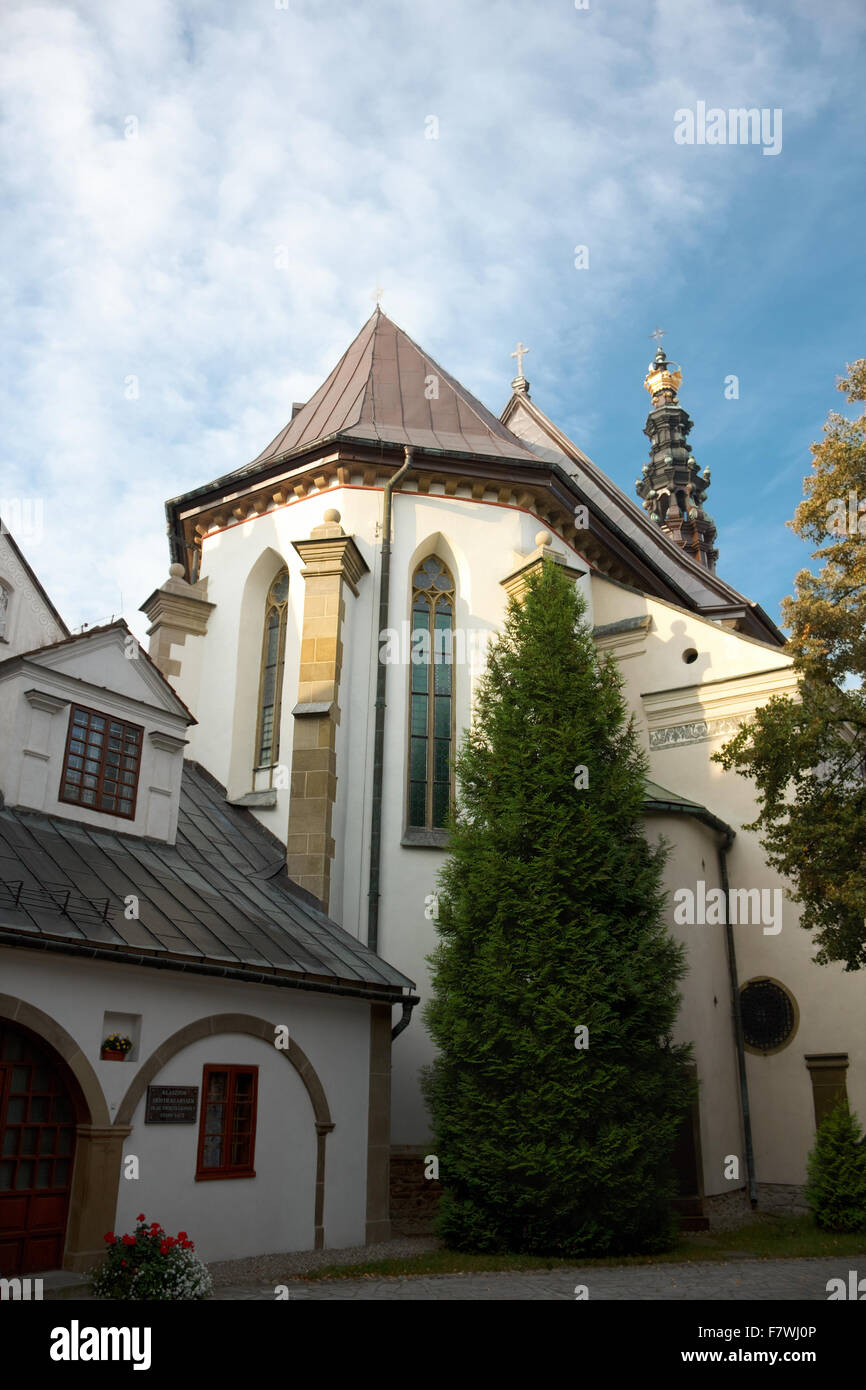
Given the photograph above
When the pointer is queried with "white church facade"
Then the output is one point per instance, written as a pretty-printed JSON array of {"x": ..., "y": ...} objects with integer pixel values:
[
  {"x": 472, "y": 504},
  {"x": 301, "y": 760}
]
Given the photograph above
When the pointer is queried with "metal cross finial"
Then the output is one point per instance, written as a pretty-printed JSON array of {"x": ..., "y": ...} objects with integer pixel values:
[
  {"x": 377, "y": 293},
  {"x": 658, "y": 335},
  {"x": 520, "y": 352}
]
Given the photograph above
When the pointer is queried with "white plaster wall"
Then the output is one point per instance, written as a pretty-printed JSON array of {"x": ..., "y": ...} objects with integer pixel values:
[
  {"x": 705, "y": 1014},
  {"x": 237, "y": 1217},
  {"x": 30, "y": 622},
  {"x": 831, "y": 1001},
  {"x": 33, "y": 756}
]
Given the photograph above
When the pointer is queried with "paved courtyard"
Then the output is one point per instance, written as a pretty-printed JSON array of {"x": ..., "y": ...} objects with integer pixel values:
[{"x": 788, "y": 1280}]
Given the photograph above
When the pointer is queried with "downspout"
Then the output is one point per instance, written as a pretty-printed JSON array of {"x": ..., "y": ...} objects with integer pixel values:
[
  {"x": 406, "y": 1019},
  {"x": 738, "y": 1020},
  {"x": 379, "y": 734}
]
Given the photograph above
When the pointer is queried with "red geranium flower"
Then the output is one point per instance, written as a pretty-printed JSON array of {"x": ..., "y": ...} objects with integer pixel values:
[
  {"x": 110, "y": 1238},
  {"x": 182, "y": 1235},
  {"x": 164, "y": 1249},
  {"x": 129, "y": 1240},
  {"x": 140, "y": 1216},
  {"x": 186, "y": 1245},
  {"x": 123, "y": 1262}
]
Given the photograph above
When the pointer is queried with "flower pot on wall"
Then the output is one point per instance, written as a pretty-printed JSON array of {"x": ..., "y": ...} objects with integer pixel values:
[{"x": 108, "y": 1055}]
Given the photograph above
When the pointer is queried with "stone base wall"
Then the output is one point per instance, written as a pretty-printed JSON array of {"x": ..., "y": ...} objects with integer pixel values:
[
  {"x": 782, "y": 1199},
  {"x": 730, "y": 1209},
  {"x": 414, "y": 1198}
]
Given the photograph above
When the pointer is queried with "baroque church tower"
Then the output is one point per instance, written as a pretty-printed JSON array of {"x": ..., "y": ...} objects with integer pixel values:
[{"x": 672, "y": 490}]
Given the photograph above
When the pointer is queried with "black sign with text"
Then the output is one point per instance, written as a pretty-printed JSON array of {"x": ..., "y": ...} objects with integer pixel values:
[{"x": 171, "y": 1105}]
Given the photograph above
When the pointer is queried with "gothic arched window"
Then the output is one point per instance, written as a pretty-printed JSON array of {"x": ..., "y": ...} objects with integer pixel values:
[
  {"x": 431, "y": 698},
  {"x": 271, "y": 678}
]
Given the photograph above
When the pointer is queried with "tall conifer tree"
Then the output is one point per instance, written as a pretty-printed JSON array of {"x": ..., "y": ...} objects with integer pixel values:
[{"x": 550, "y": 918}]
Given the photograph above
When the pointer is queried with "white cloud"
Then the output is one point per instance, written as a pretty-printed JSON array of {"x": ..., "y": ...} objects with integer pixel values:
[{"x": 154, "y": 257}]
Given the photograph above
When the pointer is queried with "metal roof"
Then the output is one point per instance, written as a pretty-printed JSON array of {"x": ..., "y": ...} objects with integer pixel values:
[
  {"x": 383, "y": 389},
  {"x": 220, "y": 895}
]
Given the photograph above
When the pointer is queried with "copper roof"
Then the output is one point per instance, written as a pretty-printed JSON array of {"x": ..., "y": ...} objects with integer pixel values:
[{"x": 381, "y": 389}]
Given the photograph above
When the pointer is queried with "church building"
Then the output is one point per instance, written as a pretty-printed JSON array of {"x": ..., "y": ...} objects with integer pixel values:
[
  {"x": 225, "y": 851},
  {"x": 393, "y": 504}
]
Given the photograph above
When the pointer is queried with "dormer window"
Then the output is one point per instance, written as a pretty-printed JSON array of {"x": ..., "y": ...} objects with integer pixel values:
[{"x": 101, "y": 763}]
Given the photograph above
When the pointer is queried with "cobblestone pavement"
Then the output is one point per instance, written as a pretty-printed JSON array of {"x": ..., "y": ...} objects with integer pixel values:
[{"x": 771, "y": 1280}]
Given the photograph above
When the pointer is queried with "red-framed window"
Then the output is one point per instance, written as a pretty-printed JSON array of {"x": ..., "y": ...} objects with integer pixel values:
[
  {"x": 227, "y": 1128},
  {"x": 101, "y": 763}
]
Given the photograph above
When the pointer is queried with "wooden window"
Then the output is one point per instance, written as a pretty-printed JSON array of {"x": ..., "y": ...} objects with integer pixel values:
[
  {"x": 227, "y": 1128},
  {"x": 431, "y": 695},
  {"x": 271, "y": 677},
  {"x": 101, "y": 763}
]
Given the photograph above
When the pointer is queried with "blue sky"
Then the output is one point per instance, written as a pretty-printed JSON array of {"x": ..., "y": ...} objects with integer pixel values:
[{"x": 203, "y": 196}]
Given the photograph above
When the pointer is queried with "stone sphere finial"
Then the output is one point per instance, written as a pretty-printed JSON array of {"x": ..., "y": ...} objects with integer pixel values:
[
  {"x": 176, "y": 571},
  {"x": 332, "y": 516},
  {"x": 542, "y": 539}
]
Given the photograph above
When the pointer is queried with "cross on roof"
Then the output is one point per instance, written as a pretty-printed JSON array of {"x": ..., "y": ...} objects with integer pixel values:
[
  {"x": 520, "y": 352},
  {"x": 377, "y": 293},
  {"x": 659, "y": 334}
]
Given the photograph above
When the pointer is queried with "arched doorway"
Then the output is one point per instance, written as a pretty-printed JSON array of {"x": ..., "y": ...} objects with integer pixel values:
[{"x": 37, "y": 1150}]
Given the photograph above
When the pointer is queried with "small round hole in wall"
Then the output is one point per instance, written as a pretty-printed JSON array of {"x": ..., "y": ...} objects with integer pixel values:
[{"x": 689, "y": 655}]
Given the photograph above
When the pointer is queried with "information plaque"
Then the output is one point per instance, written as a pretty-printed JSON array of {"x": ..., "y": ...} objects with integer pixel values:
[{"x": 171, "y": 1105}]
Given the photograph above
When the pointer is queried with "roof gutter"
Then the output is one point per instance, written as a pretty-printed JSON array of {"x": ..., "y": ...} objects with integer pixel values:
[
  {"x": 379, "y": 730},
  {"x": 727, "y": 836},
  {"x": 225, "y": 972}
]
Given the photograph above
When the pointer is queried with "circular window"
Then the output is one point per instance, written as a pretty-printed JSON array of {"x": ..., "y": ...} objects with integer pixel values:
[
  {"x": 690, "y": 655},
  {"x": 769, "y": 1015}
]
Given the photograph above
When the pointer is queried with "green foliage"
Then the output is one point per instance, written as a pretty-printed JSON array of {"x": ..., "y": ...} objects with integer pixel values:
[
  {"x": 836, "y": 1187},
  {"x": 150, "y": 1266},
  {"x": 808, "y": 756},
  {"x": 550, "y": 917}
]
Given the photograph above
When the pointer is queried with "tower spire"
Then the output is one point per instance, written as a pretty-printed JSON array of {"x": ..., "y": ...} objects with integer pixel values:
[{"x": 670, "y": 486}]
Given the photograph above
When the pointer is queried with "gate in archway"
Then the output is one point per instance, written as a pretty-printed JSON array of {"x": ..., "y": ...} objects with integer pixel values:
[{"x": 37, "y": 1147}]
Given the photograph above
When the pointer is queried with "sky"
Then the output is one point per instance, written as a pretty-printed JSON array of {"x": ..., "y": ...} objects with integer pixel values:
[{"x": 198, "y": 201}]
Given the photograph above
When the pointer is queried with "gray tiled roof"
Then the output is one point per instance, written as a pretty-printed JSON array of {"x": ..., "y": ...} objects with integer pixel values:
[
  {"x": 378, "y": 391},
  {"x": 219, "y": 896}
]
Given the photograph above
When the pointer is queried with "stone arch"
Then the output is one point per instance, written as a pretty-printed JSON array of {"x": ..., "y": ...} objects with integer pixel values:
[
  {"x": 98, "y": 1143},
  {"x": 257, "y": 1028},
  {"x": 88, "y": 1092},
  {"x": 454, "y": 557},
  {"x": 207, "y": 1027}
]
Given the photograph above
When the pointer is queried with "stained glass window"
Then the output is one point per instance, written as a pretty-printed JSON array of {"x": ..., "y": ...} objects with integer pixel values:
[
  {"x": 271, "y": 679},
  {"x": 431, "y": 718}
]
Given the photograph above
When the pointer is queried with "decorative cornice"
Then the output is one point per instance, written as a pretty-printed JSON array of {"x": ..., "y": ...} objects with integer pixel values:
[
  {"x": 624, "y": 639},
  {"x": 40, "y": 699},
  {"x": 167, "y": 742},
  {"x": 167, "y": 607},
  {"x": 733, "y": 698},
  {"x": 514, "y": 584},
  {"x": 698, "y": 731},
  {"x": 323, "y": 555}
]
